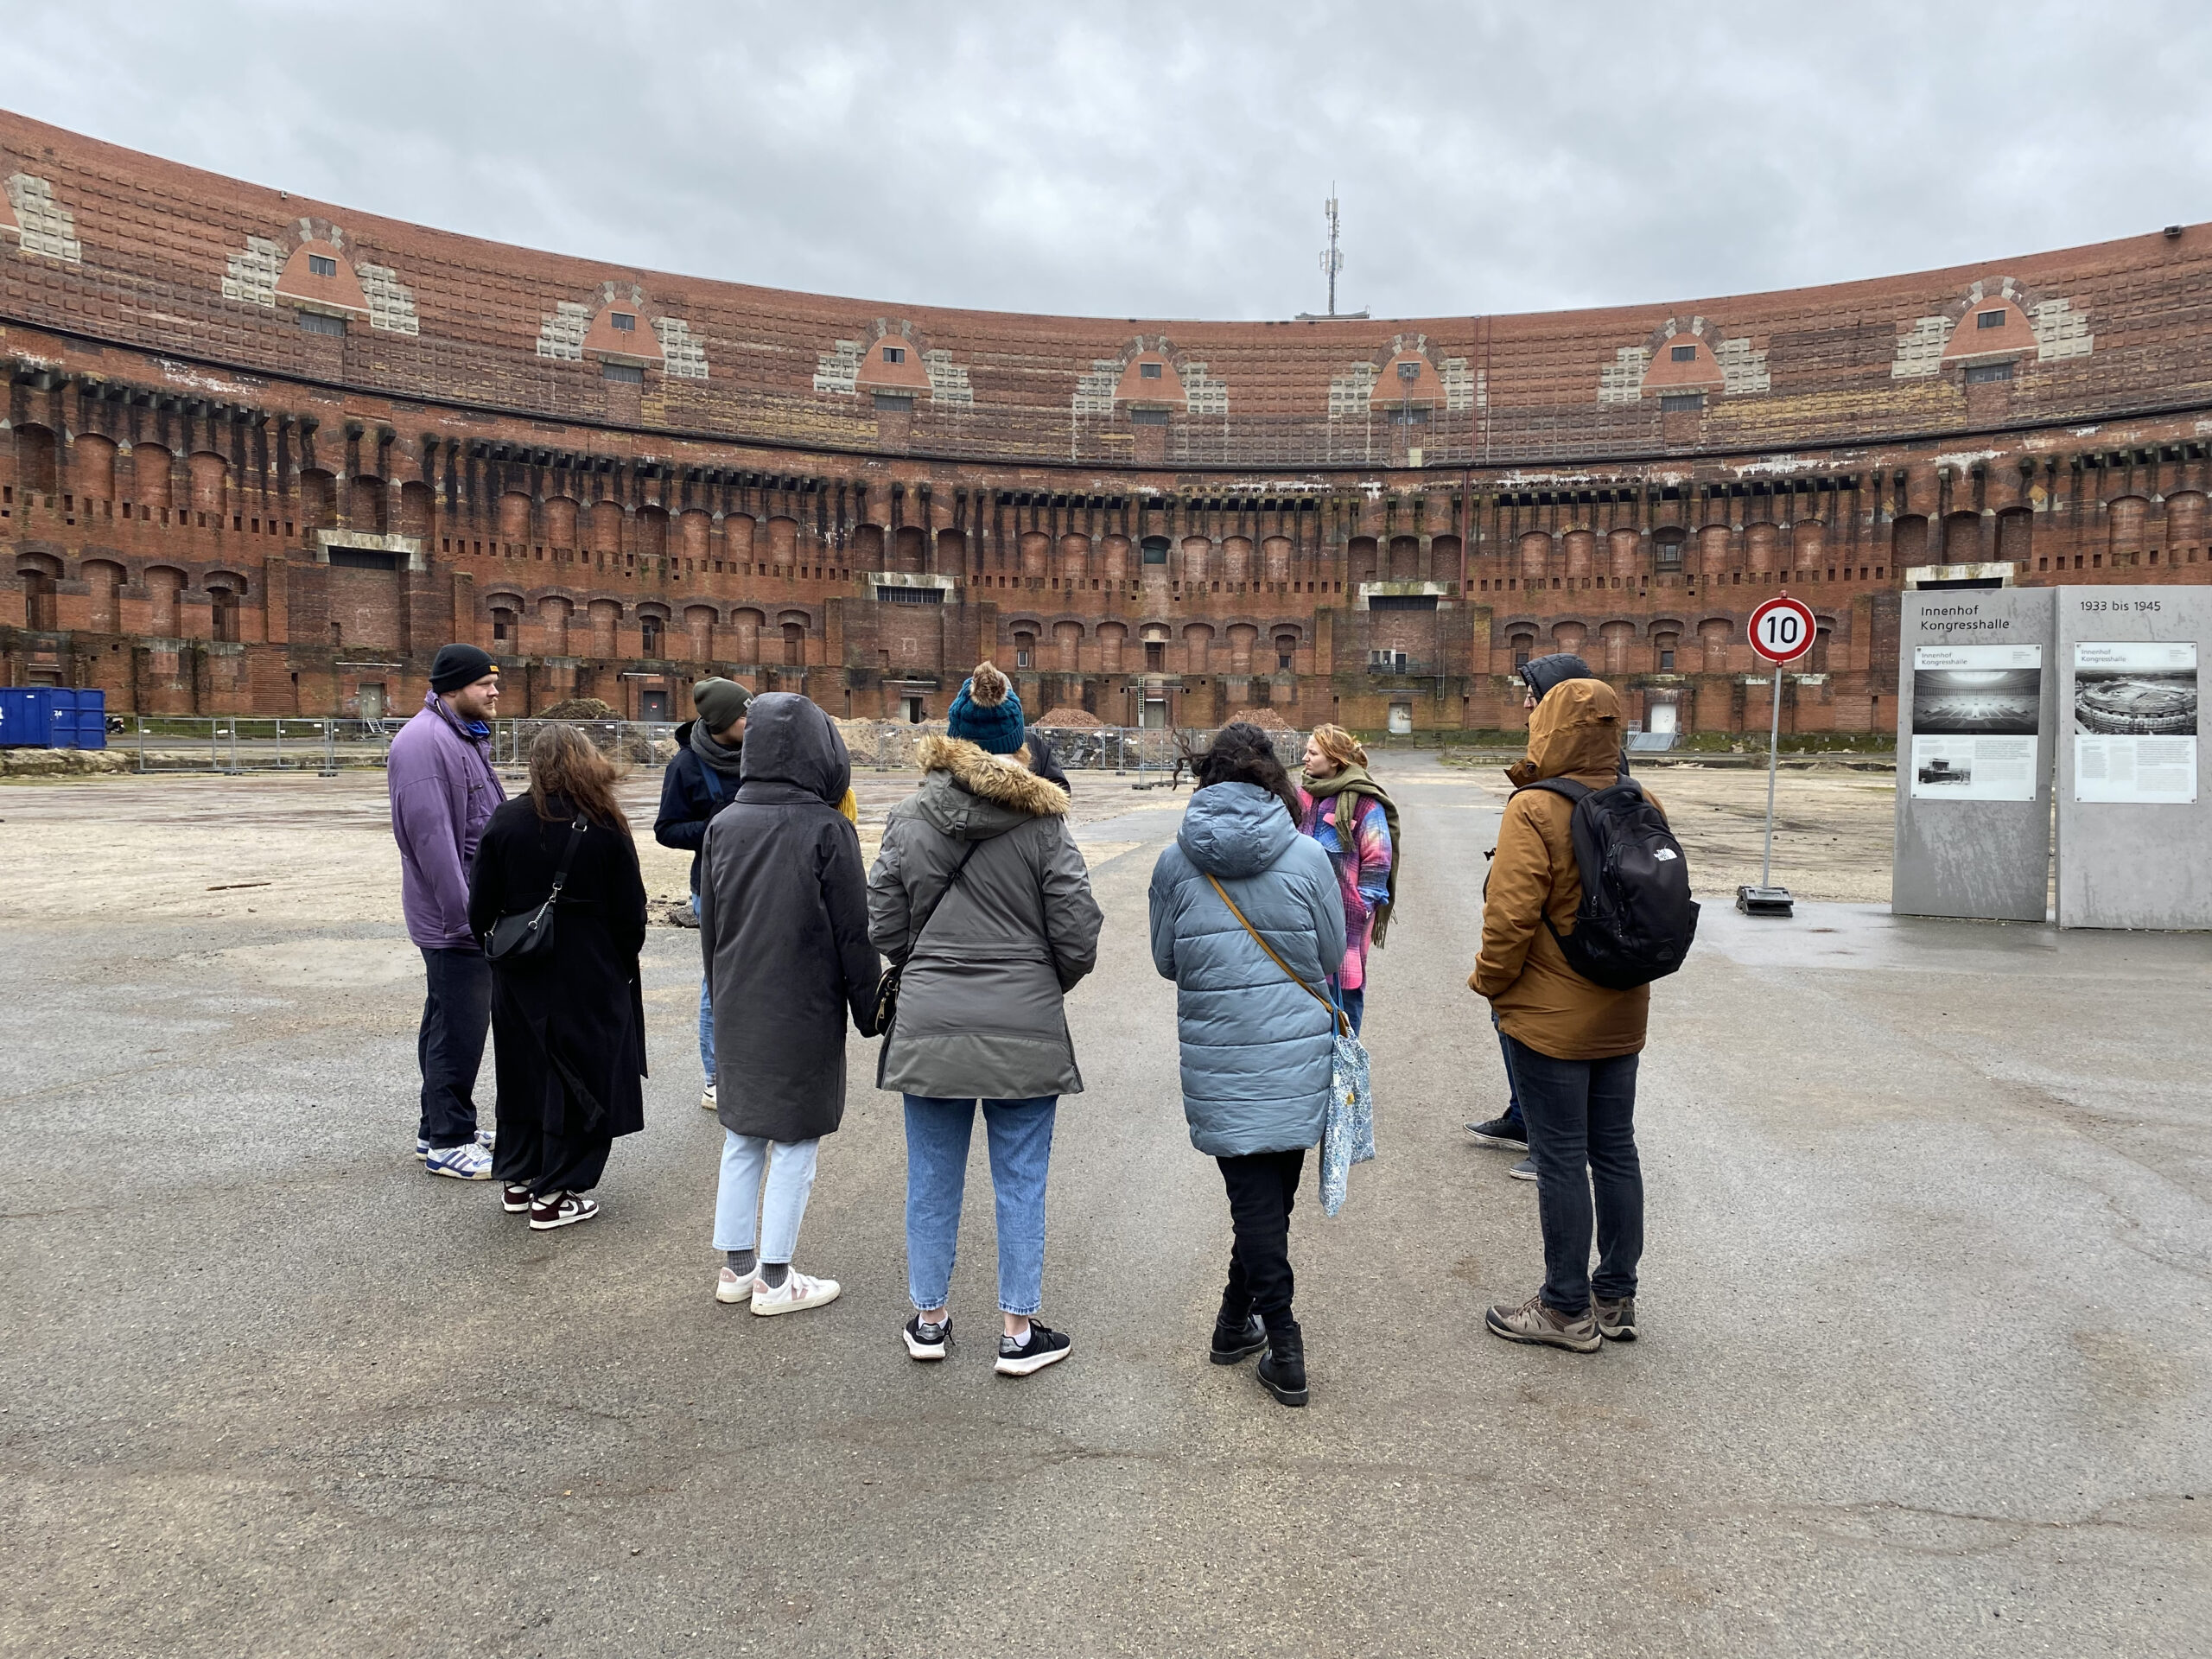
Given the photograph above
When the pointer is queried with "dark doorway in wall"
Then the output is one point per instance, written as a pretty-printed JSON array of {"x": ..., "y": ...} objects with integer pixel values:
[{"x": 652, "y": 705}]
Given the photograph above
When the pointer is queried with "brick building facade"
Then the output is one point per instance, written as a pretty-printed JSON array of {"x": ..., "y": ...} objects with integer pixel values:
[{"x": 264, "y": 455}]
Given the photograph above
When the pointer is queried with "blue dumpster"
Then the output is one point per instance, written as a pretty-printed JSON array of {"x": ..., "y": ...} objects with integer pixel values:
[{"x": 52, "y": 717}]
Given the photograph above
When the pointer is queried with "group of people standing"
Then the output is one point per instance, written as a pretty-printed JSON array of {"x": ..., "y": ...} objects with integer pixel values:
[{"x": 1263, "y": 911}]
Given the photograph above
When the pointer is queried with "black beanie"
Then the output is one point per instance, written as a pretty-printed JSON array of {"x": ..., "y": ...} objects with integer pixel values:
[{"x": 456, "y": 666}]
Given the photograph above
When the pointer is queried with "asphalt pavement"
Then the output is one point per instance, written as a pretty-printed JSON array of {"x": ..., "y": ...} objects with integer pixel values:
[{"x": 1925, "y": 1368}]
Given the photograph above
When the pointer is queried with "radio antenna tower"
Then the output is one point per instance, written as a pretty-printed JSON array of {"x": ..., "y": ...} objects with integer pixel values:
[{"x": 1333, "y": 261}]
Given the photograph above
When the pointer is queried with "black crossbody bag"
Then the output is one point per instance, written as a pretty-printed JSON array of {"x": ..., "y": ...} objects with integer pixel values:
[
  {"x": 526, "y": 937},
  {"x": 886, "y": 989}
]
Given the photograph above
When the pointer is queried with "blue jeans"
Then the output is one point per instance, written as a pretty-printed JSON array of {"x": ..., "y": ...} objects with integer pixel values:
[
  {"x": 1512, "y": 1093},
  {"x": 1020, "y": 1135},
  {"x": 1354, "y": 1003},
  {"x": 1583, "y": 1112},
  {"x": 706, "y": 1018},
  {"x": 739, "y": 1200}
]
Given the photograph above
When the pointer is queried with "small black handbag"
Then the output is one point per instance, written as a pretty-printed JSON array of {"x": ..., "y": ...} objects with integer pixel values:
[
  {"x": 526, "y": 937},
  {"x": 886, "y": 989}
]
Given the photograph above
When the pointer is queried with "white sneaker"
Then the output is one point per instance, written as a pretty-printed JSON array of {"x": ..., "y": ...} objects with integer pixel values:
[
  {"x": 707, "y": 1100},
  {"x": 796, "y": 1292},
  {"x": 732, "y": 1286},
  {"x": 467, "y": 1162}
]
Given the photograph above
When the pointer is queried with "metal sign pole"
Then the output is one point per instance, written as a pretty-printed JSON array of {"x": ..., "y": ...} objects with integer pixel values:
[{"x": 1773, "y": 743}]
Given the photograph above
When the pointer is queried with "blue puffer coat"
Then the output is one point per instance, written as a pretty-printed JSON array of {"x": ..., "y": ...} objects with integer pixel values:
[{"x": 1256, "y": 1048}]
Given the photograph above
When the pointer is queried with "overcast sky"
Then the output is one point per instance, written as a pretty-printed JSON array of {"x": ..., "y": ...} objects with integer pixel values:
[{"x": 1171, "y": 160}]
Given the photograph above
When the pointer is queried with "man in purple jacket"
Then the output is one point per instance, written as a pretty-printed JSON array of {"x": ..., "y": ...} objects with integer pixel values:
[{"x": 442, "y": 790}]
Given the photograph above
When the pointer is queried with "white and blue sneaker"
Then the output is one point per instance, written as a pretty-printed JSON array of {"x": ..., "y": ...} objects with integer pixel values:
[
  {"x": 469, "y": 1161},
  {"x": 485, "y": 1138}
]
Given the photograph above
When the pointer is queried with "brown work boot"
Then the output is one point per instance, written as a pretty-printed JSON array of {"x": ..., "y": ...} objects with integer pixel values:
[
  {"x": 1616, "y": 1317},
  {"x": 1533, "y": 1321}
]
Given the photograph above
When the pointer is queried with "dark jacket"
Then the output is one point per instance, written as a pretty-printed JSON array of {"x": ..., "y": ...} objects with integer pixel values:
[
  {"x": 979, "y": 1002},
  {"x": 1257, "y": 1049},
  {"x": 692, "y": 792},
  {"x": 443, "y": 792},
  {"x": 783, "y": 922},
  {"x": 568, "y": 1035},
  {"x": 1539, "y": 1000}
]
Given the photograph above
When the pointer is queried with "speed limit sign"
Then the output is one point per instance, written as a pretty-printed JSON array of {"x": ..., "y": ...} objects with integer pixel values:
[{"x": 1782, "y": 630}]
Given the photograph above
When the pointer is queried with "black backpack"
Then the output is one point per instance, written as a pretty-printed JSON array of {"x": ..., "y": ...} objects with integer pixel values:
[{"x": 1636, "y": 918}]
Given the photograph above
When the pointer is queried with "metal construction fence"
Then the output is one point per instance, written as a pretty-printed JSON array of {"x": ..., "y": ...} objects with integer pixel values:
[{"x": 236, "y": 744}]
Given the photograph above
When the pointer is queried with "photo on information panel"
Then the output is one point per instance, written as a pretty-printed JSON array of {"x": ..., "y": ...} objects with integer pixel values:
[{"x": 1976, "y": 714}]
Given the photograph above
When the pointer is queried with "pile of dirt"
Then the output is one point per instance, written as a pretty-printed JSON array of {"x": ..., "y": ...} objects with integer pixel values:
[
  {"x": 1266, "y": 719},
  {"x": 1065, "y": 719},
  {"x": 578, "y": 708}
]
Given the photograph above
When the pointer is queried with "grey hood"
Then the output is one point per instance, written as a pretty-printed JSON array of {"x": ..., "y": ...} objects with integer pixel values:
[
  {"x": 789, "y": 739},
  {"x": 1235, "y": 829}
]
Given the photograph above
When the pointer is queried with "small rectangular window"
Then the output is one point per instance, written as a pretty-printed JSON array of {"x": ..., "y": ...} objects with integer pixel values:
[
  {"x": 1982, "y": 374},
  {"x": 322, "y": 265},
  {"x": 313, "y": 322},
  {"x": 1148, "y": 371},
  {"x": 1681, "y": 403},
  {"x": 1989, "y": 320},
  {"x": 1147, "y": 417},
  {"x": 625, "y": 371},
  {"x": 888, "y": 401},
  {"x": 1667, "y": 660},
  {"x": 1282, "y": 659},
  {"x": 1021, "y": 659},
  {"x": 624, "y": 322},
  {"x": 895, "y": 354},
  {"x": 1684, "y": 353}
]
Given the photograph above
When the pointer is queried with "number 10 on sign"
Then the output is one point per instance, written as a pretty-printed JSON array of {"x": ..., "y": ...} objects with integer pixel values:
[{"x": 1782, "y": 630}]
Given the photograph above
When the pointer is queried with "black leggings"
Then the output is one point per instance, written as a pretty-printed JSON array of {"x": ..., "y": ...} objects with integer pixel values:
[{"x": 1262, "y": 1187}]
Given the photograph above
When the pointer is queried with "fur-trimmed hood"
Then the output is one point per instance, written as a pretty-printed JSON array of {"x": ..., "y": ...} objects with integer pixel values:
[{"x": 971, "y": 794}]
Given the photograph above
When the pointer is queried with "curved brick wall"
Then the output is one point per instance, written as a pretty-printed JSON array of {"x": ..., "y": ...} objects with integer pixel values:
[{"x": 263, "y": 453}]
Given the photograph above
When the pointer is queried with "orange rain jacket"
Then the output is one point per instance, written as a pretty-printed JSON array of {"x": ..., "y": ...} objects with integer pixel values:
[{"x": 1575, "y": 733}]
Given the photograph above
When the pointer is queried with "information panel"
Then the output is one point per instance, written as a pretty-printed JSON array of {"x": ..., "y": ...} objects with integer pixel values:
[
  {"x": 2134, "y": 830},
  {"x": 2135, "y": 722},
  {"x": 1976, "y": 714},
  {"x": 1977, "y": 719}
]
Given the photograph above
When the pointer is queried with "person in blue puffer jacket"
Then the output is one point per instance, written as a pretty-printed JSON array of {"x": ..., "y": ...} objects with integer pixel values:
[{"x": 1256, "y": 1047}]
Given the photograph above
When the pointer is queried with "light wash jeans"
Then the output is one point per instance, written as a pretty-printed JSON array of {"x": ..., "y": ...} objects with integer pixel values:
[
  {"x": 1020, "y": 1135},
  {"x": 740, "y": 1206},
  {"x": 706, "y": 1017}
]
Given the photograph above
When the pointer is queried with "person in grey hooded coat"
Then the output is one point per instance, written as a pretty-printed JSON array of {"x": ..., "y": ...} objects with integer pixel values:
[
  {"x": 981, "y": 891},
  {"x": 1257, "y": 1047},
  {"x": 783, "y": 921}
]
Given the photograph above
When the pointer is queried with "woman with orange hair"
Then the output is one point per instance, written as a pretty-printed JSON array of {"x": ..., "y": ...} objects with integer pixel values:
[{"x": 1357, "y": 826}]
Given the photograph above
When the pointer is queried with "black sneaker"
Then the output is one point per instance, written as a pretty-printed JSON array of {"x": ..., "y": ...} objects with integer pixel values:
[
  {"x": 928, "y": 1341},
  {"x": 1616, "y": 1317},
  {"x": 1044, "y": 1346},
  {"x": 1524, "y": 1170},
  {"x": 1232, "y": 1345},
  {"x": 1282, "y": 1368},
  {"x": 1501, "y": 1132}
]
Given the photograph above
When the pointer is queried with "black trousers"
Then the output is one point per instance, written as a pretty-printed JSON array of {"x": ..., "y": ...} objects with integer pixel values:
[
  {"x": 547, "y": 1164},
  {"x": 1262, "y": 1187},
  {"x": 449, "y": 1048}
]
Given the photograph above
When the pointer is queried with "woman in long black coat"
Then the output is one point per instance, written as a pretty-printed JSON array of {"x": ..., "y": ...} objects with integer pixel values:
[
  {"x": 783, "y": 919},
  {"x": 568, "y": 1026}
]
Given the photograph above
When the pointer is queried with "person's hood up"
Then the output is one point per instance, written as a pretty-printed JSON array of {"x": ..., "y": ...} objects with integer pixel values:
[
  {"x": 1576, "y": 729},
  {"x": 971, "y": 794},
  {"x": 789, "y": 739},
  {"x": 1542, "y": 674},
  {"x": 1235, "y": 829}
]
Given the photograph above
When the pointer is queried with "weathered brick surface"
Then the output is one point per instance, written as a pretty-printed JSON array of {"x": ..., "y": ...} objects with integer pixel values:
[{"x": 197, "y": 483}]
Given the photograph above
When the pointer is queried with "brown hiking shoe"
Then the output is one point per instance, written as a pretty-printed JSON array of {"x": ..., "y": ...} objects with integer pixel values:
[
  {"x": 1535, "y": 1322},
  {"x": 1616, "y": 1317}
]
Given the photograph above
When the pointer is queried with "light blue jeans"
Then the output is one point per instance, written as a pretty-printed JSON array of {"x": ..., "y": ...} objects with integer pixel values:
[
  {"x": 743, "y": 1213},
  {"x": 1020, "y": 1136},
  {"x": 706, "y": 1015}
]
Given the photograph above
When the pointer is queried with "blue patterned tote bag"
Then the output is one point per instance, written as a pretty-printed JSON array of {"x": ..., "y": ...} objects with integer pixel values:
[{"x": 1348, "y": 1132}]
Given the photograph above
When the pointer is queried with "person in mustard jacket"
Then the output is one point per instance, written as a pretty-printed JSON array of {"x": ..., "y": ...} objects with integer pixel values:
[{"x": 1573, "y": 1045}]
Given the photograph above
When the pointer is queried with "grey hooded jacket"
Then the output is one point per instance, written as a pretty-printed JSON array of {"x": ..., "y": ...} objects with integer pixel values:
[
  {"x": 979, "y": 1002},
  {"x": 1256, "y": 1048},
  {"x": 783, "y": 920}
]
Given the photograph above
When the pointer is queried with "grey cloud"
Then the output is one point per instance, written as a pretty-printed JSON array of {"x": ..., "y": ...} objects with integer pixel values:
[{"x": 1159, "y": 162}]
